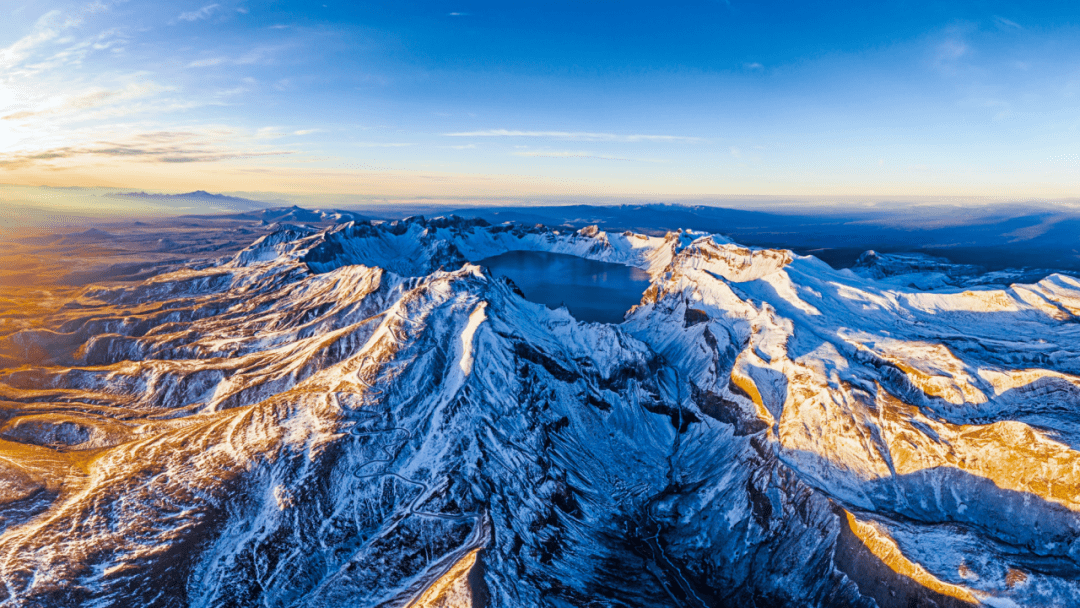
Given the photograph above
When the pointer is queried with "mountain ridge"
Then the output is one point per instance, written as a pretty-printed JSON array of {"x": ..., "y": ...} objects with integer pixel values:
[{"x": 357, "y": 414}]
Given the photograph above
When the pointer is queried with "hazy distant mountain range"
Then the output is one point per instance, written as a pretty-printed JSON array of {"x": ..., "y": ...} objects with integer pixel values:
[
  {"x": 354, "y": 415},
  {"x": 217, "y": 201},
  {"x": 993, "y": 237}
]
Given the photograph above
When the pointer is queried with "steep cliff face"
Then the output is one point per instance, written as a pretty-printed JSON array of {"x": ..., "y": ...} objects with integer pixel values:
[{"x": 360, "y": 417}]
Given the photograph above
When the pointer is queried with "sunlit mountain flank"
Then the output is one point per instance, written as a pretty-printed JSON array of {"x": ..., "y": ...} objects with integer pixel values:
[{"x": 711, "y": 304}]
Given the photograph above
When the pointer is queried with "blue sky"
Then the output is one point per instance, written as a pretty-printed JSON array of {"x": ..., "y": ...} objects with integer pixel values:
[{"x": 544, "y": 98}]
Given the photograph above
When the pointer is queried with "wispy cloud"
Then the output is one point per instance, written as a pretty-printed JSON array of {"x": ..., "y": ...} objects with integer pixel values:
[
  {"x": 1004, "y": 23},
  {"x": 251, "y": 57},
  {"x": 576, "y": 136},
  {"x": 269, "y": 133},
  {"x": 87, "y": 100},
  {"x": 1001, "y": 109},
  {"x": 949, "y": 56},
  {"x": 74, "y": 53},
  {"x": 200, "y": 14},
  {"x": 56, "y": 118},
  {"x": 206, "y": 63},
  {"x": 161, "y": 155},
  {"x": 155, "y": 146},
  {"x": 580, "y": 154},
  {"x": 53, "y": 43},
  {"x": 47, "y": 28},
  {"x": 951, "y": 50},
  {"x": 279, "y": 132}
]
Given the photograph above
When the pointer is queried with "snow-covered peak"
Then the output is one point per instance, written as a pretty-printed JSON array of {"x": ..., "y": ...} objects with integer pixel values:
[{"x": 730, "y": 261}]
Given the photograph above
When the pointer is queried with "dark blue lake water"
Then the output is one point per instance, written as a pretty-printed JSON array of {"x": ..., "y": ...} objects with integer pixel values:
[{"x": 592, "y": 291}]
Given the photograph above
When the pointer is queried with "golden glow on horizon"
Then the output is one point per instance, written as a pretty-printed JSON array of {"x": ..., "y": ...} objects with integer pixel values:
[{"x": 231, "y": 176}]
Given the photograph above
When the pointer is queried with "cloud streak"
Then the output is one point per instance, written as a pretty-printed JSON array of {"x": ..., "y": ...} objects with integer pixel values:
[
  {"x": 175, "y": 154},
  {"x": 577, "y": 136},
  {"x": 154, "y": 146},
  {"x": 202, "y": 13},
  {"x": 249, "y": 58},
  {"x": 46, "y": 29},
  {"x": 1007, "y": 23},
  {"x": 91, "y": 99},
  {"x": 579, "y": 154}
]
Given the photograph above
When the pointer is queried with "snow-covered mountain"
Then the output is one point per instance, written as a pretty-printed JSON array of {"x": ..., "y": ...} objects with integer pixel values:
[{"x": 358, "y": 416}]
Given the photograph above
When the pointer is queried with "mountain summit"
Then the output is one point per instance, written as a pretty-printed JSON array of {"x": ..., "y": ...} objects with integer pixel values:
[{"x": 359, "y": 416}]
